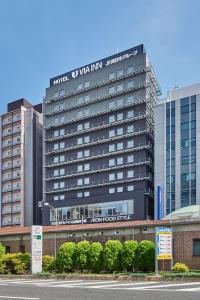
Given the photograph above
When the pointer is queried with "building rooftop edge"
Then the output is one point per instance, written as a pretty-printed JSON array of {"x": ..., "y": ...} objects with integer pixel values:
[{"x": 100, "y": 226}]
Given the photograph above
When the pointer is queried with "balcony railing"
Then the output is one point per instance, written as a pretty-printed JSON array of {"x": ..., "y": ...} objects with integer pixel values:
[
  {"x": 140, "y": 69},
  {"x": 100, "y": 112},
  {"x": 100, "y": 154},
  {"x": 102, "y": 168},
  {"x": 93, "y": 184},
  {"x": 94, "y": 127},
  {"x": 98, "y": 140}
]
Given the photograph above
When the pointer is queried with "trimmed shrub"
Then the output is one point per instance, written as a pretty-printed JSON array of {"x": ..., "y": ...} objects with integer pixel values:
[
  {"x": 112, "y": 255},
  {"x": 66, "y": 257},
  {"x": 83, "y": 255},
  {"x": 96, "y": 256},
  {"x": 2, "y": 249},
  {"x": 48, "y": 263},
  {"x": 129, "y": 255},
  {"x": 146, "y": 256},
  {"x": 180, "y": 268},
  {"x": 17, "y": 263}
]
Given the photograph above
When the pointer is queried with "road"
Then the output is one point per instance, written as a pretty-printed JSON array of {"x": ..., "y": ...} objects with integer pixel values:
[{"x": 41, "y": 289}]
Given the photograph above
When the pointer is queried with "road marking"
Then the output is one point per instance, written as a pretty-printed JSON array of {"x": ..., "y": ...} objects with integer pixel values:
[
  {"x": 121, "y": 284},
  {"x": 189, "y": 290},
  {"x": 24, "y": 298},
  {"x": 164, "y": 285},
  {"x": 85, "y": 283}
]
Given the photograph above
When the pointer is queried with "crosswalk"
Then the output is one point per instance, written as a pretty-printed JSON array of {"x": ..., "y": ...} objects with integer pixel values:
[{"x": 106, "y": 284}]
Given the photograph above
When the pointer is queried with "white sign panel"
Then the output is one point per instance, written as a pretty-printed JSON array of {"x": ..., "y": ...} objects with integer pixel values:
[
  {"x": 36, "y": 247},
  {"x": 164, "y": 243}
]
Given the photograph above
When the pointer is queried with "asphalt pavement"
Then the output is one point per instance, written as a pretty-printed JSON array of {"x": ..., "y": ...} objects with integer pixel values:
[{"x": 41, "y": 289}]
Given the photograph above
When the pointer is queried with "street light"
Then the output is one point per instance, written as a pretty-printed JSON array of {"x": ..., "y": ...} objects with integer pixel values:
[{"x": 55, "y": 237}]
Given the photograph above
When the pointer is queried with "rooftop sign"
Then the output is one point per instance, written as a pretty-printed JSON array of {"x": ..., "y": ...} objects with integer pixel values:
[{"x": 97, "y": 65}]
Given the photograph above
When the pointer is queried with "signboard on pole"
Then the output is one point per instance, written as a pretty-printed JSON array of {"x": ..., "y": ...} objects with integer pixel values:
[
  {"x": 164, "y": 243},
  {"x": 36, "y": 249}
]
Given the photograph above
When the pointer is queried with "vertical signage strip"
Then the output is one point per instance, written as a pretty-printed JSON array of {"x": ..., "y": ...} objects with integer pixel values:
[{"x": 36, "y": 249}]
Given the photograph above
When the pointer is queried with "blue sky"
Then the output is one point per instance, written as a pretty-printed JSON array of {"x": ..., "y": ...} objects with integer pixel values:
[{"x": 40, "y": 39}]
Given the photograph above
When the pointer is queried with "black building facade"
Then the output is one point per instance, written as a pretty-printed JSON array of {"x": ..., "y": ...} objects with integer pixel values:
[{"x": 98, "y": 141}]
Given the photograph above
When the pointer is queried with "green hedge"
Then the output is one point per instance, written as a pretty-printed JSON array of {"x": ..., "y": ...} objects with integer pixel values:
[
  {"x": 96, "y": 257},
  {"x": 129, "y": 255},
  {"x": 113, "y": 255},
  {"x": 66, "y": 257},
  {"x": 83, "y": 249},
  {"x": 146, "y": 256},
  {"x": 17, "y": 263}
]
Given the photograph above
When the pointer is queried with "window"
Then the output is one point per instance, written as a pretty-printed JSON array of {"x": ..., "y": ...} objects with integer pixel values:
[
  {"x": 112, "y": 119},
  {"x": 111, "y": 190},
  {"x": 130, "y": 174},
  {"x": 80, "y": 154},
  {"x": 120, "y": 189},
  {"x": 119, "y": 146},
  {"x": 130, "y": 84},
  {"x": 111, "y": 176},
  {"x": 120, "y": 73},
  {"x": 111, "y": 76},
  {"x": 112, "y": 148},
  {"x": 62, "y": 158},
  {"x": 86, "y": 167},
  {"x": 120, "y": 131},
  {"x": 87, "y": 125},
  {"x": 130, "y": 129},
  {"x": 86, "y": 194},
  {"x": 62, "y": 184},
  {"x": 111, "y": 162},
  {"x": 120, "y": 175},
  {"x": 55, "y": 159},
  {"x": 112, "y": 105},
  {"x": 130, "y": 114},
  {"x": 80, "y": 127},
  {"x": 120, "y": 102},
  {"x": 62, "y": 145},
  {"x": 130, "y": 159},
  {"x": 55, "y": 185},
  {"x": 62, "y": 119},
  {"x": 80, "y": 195},
  {"x": 130, "y": 69},
  {"x": 62, "y": 105},
  {"x": 86, "y": 153},
  {"x": 86, "y": 139},
  {"x": 196, "y": 247},
  {"x": 56, "y": 198},
  {"x": 62, "y": 131},
  {"x": 79, "y": 168},
  {"x": 55, "y": 173},
  {"x": 111, "y": 133},
  {"x": 119, "y": 116},
  {"x": 80, "y": 87},
  {"x": 79, "y": 141},
  {"x": 80, "y": 181},
  {"x": 87, "y": 98},
  {"x": 130, "y": 144},
  {"x": 120, "y": 88},
  {"x": 87, "y": 180},
  {"x": 56, "y": 121},
  {"x": 80, "y": 100},
  {"x": 62, "y": 172},
  {"x": 111, "y": 90},
  {"x": 87, "y": 84},
  {"x": 56, "y": 133},
  {"x": 130, "y": 188},
  {"x": 119, "y": 160}
]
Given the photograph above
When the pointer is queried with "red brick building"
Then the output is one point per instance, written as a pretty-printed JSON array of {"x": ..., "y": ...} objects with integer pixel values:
[{"x": 186, "y": 236}]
